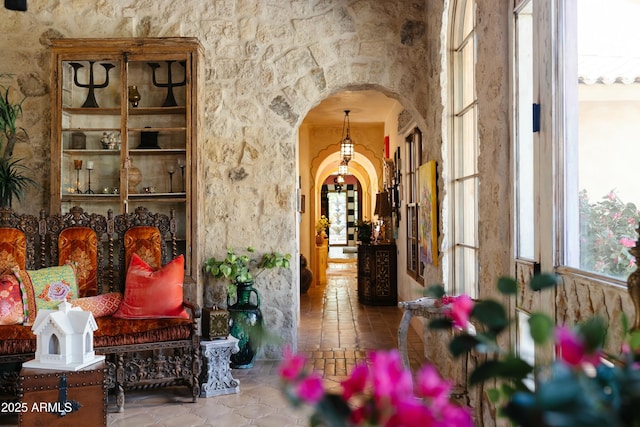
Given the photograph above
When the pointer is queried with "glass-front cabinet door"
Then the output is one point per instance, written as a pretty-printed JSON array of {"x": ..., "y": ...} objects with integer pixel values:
[{"x": 124, "y": 128}]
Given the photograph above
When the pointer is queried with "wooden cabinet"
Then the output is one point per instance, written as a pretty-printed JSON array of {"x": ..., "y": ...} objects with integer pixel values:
[
  {"x": 377, "y": 274},
  {"x": 125, "y": 127}
]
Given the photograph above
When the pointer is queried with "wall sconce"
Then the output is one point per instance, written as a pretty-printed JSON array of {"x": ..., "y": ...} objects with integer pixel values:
[{"x": 346, "y": 144}]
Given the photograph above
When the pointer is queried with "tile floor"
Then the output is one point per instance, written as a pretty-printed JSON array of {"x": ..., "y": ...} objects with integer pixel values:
[{"x": 335, "y": 332}]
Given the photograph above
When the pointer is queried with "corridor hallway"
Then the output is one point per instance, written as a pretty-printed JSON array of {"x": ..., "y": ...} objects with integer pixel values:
[{"x": 335, "y": 332}]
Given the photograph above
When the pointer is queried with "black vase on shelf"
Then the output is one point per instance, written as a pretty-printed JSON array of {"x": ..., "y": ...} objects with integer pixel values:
[{"x": 247, "y": 325}]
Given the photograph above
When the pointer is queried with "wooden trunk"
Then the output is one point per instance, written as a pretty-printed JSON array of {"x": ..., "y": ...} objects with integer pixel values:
[{"x": 63, "y": 398}]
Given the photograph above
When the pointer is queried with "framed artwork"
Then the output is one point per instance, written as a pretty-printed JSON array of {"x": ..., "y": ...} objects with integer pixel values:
[{"x": 428, "y": 213}]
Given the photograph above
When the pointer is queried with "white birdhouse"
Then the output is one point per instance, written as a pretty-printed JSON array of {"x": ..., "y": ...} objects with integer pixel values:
[{"x": 64, "y": 339}]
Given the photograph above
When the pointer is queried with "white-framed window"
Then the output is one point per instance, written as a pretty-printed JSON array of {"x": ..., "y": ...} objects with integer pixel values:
[
  {"x": 600, "y": 150},
  {"x": 524, "y": 149},
  {"x": 464, "y": 149}
]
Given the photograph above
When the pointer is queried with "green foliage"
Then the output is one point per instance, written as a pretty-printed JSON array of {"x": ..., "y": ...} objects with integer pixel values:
[
  {"x": 541, "y": 327},
  {"x": 12, "y": 182},
  {"x": 574, "y": 390},
  {"x": 365, "y": 230},
  {"x": 239, "y": 268},
  {"x": 9, "y": 113},
  {"x": 607, "y": 230},
  {"x": 507, "y": 286}
]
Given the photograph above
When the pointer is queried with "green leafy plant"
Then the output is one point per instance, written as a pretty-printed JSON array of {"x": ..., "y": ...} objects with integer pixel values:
[
  {"x": 240, "y": 268},
  {"x": 606, "y": 234},
  {"x": 13, "y": 183},
  {"x": 583, "y": 386},
  {"x": 365, "y": 230}
]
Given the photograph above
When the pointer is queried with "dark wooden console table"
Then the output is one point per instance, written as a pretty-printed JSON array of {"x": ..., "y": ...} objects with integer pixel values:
[{"x": 377, "y": 274}]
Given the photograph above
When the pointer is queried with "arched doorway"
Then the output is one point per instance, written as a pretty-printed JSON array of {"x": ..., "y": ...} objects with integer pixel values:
[{"x": 373, "y": 120}]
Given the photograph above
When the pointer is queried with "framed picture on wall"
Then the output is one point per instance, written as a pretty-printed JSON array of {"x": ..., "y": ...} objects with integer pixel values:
[{"x": 428, "y": 213}]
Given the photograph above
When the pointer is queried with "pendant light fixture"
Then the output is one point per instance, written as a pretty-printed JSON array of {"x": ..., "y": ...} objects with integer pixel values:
[
  {"x": 346, "y": 144},
  {"x": 338, "y": 182},
  {"x": 343, "y": 169}
]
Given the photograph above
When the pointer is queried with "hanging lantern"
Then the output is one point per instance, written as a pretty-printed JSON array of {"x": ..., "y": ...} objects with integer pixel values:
[{"x": 346, "y": 144}]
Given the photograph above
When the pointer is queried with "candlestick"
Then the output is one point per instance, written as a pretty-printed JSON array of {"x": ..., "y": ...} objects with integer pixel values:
[
  {"x": 171, "y": 170},
  {"x": 182, "y": 165},
  {"x": 89, "y": 168}
]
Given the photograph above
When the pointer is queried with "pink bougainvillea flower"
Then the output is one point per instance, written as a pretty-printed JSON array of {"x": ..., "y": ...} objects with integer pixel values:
[
  {"x": 391, "y": 382},
  {"x": 291, "y": 366},
  {"x": 460, "y": 311},
  {"x": 430, "y": 384},
  {"x": 627, "y": 242},
  {"x": 356, "y": 382},
  {"x": 453, "y": 415},
  {"x": 411, "y": 413},
  {"x": 310, "y": 389},
  {"x": 572, "y": 349}
]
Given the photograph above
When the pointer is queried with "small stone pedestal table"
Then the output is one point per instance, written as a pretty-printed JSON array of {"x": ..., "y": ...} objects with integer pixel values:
[{"x": 216, "y": 376}]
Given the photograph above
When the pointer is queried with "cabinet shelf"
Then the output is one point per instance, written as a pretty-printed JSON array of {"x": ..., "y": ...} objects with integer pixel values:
[
  {"x": 90, "y": 129},
  {"x": 158, "y": 197},
  {"x": 90, "y": 151},
  {"x": 92, "y": 111},
  {"x": 138, "y": 111},
  {"x": 157, "y": 129},
  {"x": 142, "y": 151},
  {"x": 93, "y": 197},
  {"x": 172, "y": 132}
]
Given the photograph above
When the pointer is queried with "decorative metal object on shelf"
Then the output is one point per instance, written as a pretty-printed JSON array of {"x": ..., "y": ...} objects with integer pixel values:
[
  {"x": 148, "y": 140},
  {"x": 78, "y": 141},
  {"x": 91, "y": 102},
  {"x": 215, "y": 323},
  {"x": 170, "y": 100},
  {"x": 134, "y": 96}
]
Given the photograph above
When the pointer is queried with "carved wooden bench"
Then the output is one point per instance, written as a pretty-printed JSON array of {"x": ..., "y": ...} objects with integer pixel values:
[{"x": 140, "y": 353}]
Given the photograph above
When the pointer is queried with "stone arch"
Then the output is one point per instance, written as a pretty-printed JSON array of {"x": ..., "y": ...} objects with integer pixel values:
[
  {"x": 362, "y": 167},
  {"x": 325, "y": 162}
]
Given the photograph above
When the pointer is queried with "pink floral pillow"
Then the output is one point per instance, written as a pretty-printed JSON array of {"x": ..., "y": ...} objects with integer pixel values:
[
  {"x": 11, "y": 308},
  {"x": 99, "y": 305}
]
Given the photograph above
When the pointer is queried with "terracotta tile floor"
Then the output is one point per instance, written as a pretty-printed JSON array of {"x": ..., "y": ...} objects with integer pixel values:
[{"x": 335, "y": 332}]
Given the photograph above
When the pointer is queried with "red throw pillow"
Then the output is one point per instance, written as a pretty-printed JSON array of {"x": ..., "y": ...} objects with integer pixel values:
[
  {"x": 99, "y": 305},
  {"x": 150, "y": 294}
]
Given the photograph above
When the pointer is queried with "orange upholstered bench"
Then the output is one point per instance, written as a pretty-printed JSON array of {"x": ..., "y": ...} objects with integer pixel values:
[{"x": 114, "y": 260}]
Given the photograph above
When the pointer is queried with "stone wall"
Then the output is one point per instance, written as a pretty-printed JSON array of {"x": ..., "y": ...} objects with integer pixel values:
[{"x": 266, "y": 64}]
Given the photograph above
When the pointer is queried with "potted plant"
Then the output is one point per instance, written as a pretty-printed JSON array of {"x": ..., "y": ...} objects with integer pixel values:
[
  {"x": 245, "y": 316},
  {"x": 322, "y": 225},
  {"x": 12, "y": 181},
  {"x": 365, "y": 230}
]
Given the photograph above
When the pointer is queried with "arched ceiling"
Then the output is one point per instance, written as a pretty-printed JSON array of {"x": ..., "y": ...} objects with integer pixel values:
[{"x": 366, "y": 106}]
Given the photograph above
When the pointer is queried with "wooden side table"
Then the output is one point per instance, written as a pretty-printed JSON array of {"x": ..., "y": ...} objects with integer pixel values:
[
  {"x": 321, "y": 257},
  {"x": 63, "y": 398},
  {"x": 216, "y": 376},
  {"x": 377, "y": 274}
]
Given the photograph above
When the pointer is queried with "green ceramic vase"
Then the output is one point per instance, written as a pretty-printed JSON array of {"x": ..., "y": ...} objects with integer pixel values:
[{"x": 246, "y": 324}]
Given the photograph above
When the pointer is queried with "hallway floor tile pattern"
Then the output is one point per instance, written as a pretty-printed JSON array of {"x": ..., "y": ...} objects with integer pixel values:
[{"x": 335, "y": 333}]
